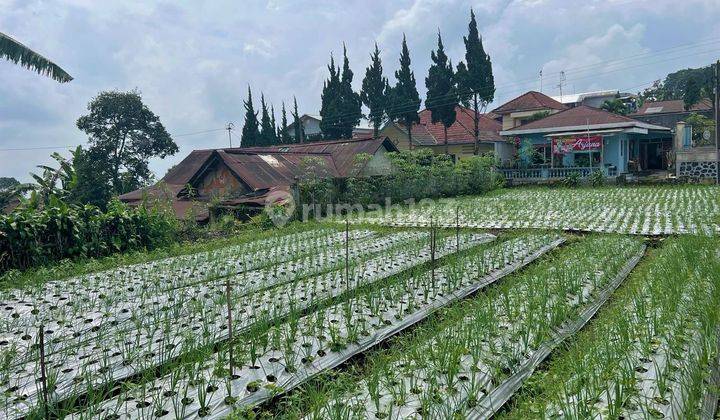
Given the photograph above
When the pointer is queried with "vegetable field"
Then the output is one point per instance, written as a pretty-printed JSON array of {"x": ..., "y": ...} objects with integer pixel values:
[
  {"x": 436, "y": 319},
  {"x": 660, "y": 210}
]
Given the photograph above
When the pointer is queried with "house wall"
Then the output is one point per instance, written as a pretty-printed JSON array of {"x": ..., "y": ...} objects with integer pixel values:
[
  {"x": 311, "y": 126},
  {"x": 615, "y": 150},
  {"x": 219, "y": 181},
  {"x": 514, "y": 119},
  {"x": 379, "y": 164}
]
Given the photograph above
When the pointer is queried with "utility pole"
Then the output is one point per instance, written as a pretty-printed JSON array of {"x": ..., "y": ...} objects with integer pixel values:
[
  {"x": 562, "y": 82},
  {"x": 229, "y": 129}
]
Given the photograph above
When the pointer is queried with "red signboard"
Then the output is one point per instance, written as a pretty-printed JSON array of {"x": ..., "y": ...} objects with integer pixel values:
[{"x": 576, "y": 144}]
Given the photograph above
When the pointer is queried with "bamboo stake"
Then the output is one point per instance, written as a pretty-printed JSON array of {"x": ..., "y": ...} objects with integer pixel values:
[
  {"x": 43, "y": 371},
  {"x": 347, "y": 253},
  {"x": 457, "y": 228},
  {"x": 230, "y": 329}
]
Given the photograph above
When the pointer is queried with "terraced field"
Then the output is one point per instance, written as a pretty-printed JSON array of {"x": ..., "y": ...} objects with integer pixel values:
[{"x": 427, "y": 322}]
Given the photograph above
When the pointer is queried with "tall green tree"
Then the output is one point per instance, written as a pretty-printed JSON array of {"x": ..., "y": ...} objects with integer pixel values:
[
  {"x": 404, "y": 102},
  {"x": 475, "y": 80},
  {"x": 675, "y": 85},
  {"x": 350, "y": 103},
  {"x": 299, "y": 131},
  {"x": 283, "y": 135},
  {"x": 123, "y": 130},
  {"x": 330, "y": 108},
  {"x": 442, "y": 96},
  {"x": 692, "y": 93},
  {"x": 14, "y": 51},
  {"x": 273, "y": 122},
  {"x": 267, "y": 131},
  {"x": 251, "y": 131},
  {"x": 374, "y": 91}
]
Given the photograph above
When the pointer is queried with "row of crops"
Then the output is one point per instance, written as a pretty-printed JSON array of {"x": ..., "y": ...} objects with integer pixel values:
[
  {"x": 629, "y": 210},
  {"x": 278, "y": 327}
]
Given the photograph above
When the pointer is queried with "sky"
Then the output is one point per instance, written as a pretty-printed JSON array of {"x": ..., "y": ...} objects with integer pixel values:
[{"x": 192, "y": 60}]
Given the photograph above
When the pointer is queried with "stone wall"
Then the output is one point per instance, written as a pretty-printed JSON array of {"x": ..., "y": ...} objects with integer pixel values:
[{"x": 698, "y": 169}]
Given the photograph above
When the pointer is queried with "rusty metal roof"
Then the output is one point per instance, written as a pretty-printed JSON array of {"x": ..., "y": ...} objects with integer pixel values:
[{"x": 262, "y": 168}]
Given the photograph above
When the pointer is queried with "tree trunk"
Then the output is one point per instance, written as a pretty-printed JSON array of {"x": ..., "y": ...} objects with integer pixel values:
[
  {"x": 447, "y": 148},
  {"x": 476, "y": 119},
  {"x": 409, "y": 128}
]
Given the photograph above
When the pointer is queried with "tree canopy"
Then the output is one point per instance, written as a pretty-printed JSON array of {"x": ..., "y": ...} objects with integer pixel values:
[
  {"x": 475, "y": 79},
  {"x": 375, "y": 89},
  {"x": 341, "y": 108},
  {"x": 124, "y": 134},
  {"x": 404, "y": 99},
  {"x": 442, "y": 97},
  {"x": 689, "y": 85},
  {"x": 251, "y": 129}
]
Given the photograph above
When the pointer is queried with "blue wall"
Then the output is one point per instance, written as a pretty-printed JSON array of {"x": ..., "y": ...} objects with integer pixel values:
[{"x": 616, "y": 149}]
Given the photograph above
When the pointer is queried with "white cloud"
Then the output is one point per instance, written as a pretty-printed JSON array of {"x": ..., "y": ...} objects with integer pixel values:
[{"x": 193, "y": 61}]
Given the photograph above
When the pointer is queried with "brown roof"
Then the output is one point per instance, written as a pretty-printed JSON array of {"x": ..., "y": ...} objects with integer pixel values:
[
  {"x": 580, "y": 116},
  {"x": 529, "y": 101},
  {"x": 461, "y": 132},
  {"x": 672, "y": 107},
  {"x": 260, "y": 168}
]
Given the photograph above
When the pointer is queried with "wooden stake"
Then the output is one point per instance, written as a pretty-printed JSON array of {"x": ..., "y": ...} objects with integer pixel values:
[
  {"x": 347, "y": 254},
  {"x": 457, "y": 228},
  {"x": 230, "y": 328},
  {"x": 43, "y": 371}
]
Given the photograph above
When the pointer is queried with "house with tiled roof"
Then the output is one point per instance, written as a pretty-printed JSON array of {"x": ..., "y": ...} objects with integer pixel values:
[
  {"x": 460, "y": 140},
  {"x": 526, "y": 108},
  {"x": 670, "y": 113},
  {"x": 248, "y": 177},
  {"x": 584, "y": 139}
]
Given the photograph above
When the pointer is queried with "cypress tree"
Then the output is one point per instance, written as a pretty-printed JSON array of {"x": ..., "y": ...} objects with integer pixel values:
[
  {"x": 350, "y": 103},
  {"x": 475, "y": 79},
  {"x": 267, "y": 131},
  {"x": 250, "y": 133},
  {"x": 283, "y": 135},
  {"x": 299, "y": 130},
  {"x": 442, "y": 95},
  {"x": 331, "y": 103},
  {"x": 374, "y": 90},
  {"x": 274, "y": 125},
  {"x": 404, "y": 100}
]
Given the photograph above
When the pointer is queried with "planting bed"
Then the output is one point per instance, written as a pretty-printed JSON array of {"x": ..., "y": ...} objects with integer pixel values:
[
  {"x": 652, "y": 355},
  {"x": 633, "y": 210},
  {"x": 287, "y": 354},
  {"x": 192, "y": 317},
  {"x": 463, "y": 367}
]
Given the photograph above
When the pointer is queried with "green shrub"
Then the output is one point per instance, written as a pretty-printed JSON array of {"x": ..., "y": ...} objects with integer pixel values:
[
  {"x": 597, "y": 178},
  {"x": 572, "y": 180},
  {"x": 30, "y": 237}
]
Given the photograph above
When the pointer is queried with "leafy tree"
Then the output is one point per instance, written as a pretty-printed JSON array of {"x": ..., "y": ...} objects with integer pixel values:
[
  {"x": 125, "y": 133},
  {"x": 9, "y": 190},
  {"x": 251, "y": 131},
  {"x": 374, "y": 91},
  {"x": 692, "y": 94},
  {"x": 442, "y": 97},
  {"x": 8, "y": 182},
  {"x": 276, "y": 135},
  {"x": 616, "y": 106},
  {"x": 350, "y": 103},
  {"x": 330, "y": 108},
  {"x": 283, "y": 135},
  {"x": 299, "y": 131},
  {"x": 404, "y": 100},
  {"x": 476, "y": 83},
  {"x": 93, "y": 180},
  {"x": 675, "y": 85},
  {"x": 14, "y": 51},
  {"x": 267, "y": 132}
]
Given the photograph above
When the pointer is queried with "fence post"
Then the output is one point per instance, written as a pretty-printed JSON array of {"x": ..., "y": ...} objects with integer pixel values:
[
  {"x": 43, "y": 371},
  {"x": 230, "y": 327}
]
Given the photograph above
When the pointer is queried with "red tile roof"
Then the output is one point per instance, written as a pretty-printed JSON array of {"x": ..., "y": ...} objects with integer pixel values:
[
  {"x": 672, "y": 107},
  {"x": 578, "y": 117},
  {"x": 529, "y": 101},
  {"x": 461, "y": 132}
]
